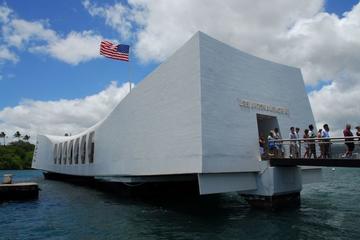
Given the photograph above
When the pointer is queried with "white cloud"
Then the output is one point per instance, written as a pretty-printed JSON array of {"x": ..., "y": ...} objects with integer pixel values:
[
  {"x": 299, "y": 33},
  {"x": 38, "y": 37},
  {"x": 62, "y": 116},
  {"x": 324, "y": 46},
  {"x": 5, "y": 12},
  {"x": 18, "y": 32},
  {"x": 7, "y": 55},
  {"x": 162, "y": 26},
  {"x": 251, "y": 26},
  {"x": 75, "y": 48},
  {"x": 116, "y": 16},
  {"x": 337, "y": 103}
]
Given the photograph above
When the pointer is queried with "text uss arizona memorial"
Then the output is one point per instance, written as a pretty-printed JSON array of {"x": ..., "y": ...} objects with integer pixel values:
[{"x": 262, "y": 107}]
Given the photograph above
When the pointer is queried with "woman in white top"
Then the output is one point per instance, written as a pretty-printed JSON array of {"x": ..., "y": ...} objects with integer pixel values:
[{"x": 292, "y": 136}]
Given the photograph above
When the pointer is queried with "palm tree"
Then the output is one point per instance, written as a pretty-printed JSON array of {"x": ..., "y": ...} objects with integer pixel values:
[
  {"x": 26, "y": 137},
  {"x": 17, "y": 135},
  {"x": 3, "y": 135}
]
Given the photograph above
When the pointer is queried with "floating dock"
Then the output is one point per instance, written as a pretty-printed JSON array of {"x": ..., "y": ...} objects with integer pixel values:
[{"x": 17, "y": 191}]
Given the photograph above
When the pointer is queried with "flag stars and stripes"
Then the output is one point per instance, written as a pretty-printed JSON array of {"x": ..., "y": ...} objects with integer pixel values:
[{"x": 113, "y": 51}]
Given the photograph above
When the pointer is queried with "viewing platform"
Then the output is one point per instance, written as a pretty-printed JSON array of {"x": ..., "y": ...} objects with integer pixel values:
[
  {"x": 334, "y": 158},
  {"x": 334, "y": 162}
]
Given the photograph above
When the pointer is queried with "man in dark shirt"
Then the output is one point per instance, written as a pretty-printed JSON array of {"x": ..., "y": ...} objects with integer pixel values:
[
  {"x": 348, "y": 141},
  {"x": 312, "y": 145}
]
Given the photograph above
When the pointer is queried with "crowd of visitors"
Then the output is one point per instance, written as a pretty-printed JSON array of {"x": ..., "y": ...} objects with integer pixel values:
[{"x": 273, "y": 145}]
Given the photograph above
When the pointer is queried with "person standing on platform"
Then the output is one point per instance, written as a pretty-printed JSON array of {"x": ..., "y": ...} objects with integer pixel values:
[
  {"x": 279, "y": 145},
  {"x": 348, "y": 141},
  {"x": 307, "y": 145},
  {"x": 312, "y": 146},
  {"x": 326, "y": 141},
  {"x": 273, "y": 152},
  {"x": 292, "y": 136},
  {"x": 357, "y": 131},
  {"x": 298, "y": 143},
  {"x": 321, "y": 145},
  {"x": 358, "y": 134}
]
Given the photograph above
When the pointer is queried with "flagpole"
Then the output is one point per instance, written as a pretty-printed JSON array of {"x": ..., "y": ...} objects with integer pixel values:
[{"x": 130, "y": 70}]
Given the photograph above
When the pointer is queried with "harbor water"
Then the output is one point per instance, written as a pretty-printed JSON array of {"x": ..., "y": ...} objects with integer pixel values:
[{"x": 329, "y": 210}]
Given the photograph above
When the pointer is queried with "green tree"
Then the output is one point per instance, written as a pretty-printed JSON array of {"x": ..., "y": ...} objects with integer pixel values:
[
  {"x": 16, "y": 155},
  {"x": 26, "y": 137},
  {"x": 17, "y": 135},
  {"x": 3, "y": 135}
]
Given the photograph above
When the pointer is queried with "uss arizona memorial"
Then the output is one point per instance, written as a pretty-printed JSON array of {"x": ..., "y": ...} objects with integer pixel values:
[{"x": 198, "y": 116}]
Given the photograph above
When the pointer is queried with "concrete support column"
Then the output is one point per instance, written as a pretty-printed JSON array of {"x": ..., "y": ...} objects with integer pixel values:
[{"x": 276, "y": 187}]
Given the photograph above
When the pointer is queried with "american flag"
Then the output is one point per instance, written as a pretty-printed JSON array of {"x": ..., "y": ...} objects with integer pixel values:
[{"x": 118, "y": 52}]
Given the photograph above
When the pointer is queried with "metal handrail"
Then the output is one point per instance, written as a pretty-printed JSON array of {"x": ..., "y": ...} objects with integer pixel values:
[
  {"x": 294, "y": 148},
  {"x": 318, "y": 139}
]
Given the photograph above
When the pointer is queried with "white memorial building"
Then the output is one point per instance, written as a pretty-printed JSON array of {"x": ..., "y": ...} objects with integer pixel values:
[{"x": 198, "y": 116}]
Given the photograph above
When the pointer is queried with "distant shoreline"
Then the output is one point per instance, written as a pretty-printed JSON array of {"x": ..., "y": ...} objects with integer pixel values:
[{"x": 11, "y": 169}]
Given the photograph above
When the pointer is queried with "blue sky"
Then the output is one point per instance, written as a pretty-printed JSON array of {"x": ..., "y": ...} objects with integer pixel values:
[
  {"x": 41, "y": 77},
  {"x": 49, "y": 49},
  {"x": 339, "y": 7}
]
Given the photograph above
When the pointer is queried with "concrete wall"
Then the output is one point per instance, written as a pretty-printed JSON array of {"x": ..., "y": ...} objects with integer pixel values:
[
  {"x": 43, "y": 153},
  {"x": 230, "y": 133},
  {"x": 156, "y": 129}
]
